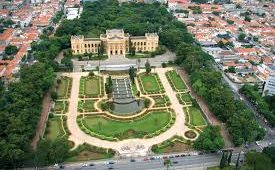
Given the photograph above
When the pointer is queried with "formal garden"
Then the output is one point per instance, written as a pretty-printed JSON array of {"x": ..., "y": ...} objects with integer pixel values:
[
  {"x": 60, "y": 107},
  {"x": 175, "y": 81},
  {"x": 173, "y": 145},
  {"x": 91, "y": 87},
  {"x": 57, "y": 130},
  {"x": 54, "y": 128},
  {"x": 86, "y": 106},
  {"x": 150, "y": 83},
  {"x": 161, "y": 101},
  {"x": 151, "y": 124},
  {"x": 63, "y": 87},
  {"x": 194, "y": 116},
  {"x": 185, "y": 98}
]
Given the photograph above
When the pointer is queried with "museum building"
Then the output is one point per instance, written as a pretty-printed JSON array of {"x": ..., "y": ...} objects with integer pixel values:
[{"x": 115, "y": 43}]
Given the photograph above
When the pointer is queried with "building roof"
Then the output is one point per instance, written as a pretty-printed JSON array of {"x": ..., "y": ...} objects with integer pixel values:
[{"x": 6, "y": 34}]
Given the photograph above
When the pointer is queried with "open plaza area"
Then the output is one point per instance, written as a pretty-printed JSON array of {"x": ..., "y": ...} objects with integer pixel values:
[{"x": 138, "y": 114}]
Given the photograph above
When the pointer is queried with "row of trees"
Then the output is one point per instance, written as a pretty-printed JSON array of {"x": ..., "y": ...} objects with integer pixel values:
[
  {"x": 208, "y": 83},
  {"x": 265, "y": 105},
  {"x": 20, "y": 108}
]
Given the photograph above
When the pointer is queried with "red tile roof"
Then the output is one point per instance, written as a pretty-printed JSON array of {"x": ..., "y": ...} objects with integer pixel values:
[{"x": 6, "y": 34}]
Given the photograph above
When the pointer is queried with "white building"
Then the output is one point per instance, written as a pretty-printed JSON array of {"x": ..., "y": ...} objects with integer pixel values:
[{"x": 269, "y": 88}]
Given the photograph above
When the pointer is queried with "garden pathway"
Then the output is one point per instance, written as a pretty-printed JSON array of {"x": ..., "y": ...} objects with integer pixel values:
[{"x": 129, "y": 147}]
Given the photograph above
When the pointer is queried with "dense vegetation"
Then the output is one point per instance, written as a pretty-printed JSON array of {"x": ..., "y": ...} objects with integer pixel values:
[
  {"x": 259, "y": 161},
  {"x": 265, "y": 105},
  {"x": 207, "y": 83},
  {"x": 20, "y": 109},
  {"x": 209, "y": 139}
]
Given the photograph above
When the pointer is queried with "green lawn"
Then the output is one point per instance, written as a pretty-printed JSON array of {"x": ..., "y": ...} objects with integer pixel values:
[
  {"x": 90, "y": 86},
  {"x": 150, "y": 83},
  {"x": 87, "y": 152},
  {"x": 196, "y": 117},
  {"x": 131, "y": 129},
  {"x": 63, "y": 88},
  {"x": 172, "y": 147},
  {"x": 176, "y": 80},
  {"x": 161, "y": 101},
  {"x": 60, "y": 107},
  {"x": 54, "y": 128},
  {"x": 185, "y": 97},
  {"x": 86, "y": 106}
]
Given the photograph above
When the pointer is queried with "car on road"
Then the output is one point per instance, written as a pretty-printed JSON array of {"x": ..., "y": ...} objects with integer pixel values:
[
  {"x": 132, "y": 160},
  {"x": 84, "y": 165},
  {"x": 91, "y": 164},
  {"x": 182, "y": 155},
  {"x": 175, "y": 162},
  {"x": 145, "y": 159},
  {"x": 111, "y": 162},
  {"x": 164, "y": 157},
  {"x": 152, "y": 158},
  {"x": 171, "y": 156}
]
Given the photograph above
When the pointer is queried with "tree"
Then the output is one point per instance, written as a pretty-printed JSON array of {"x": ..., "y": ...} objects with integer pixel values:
[
  {"x": 230, "y": 22},
  {"x": 49, "y": 152},
  {"x": 258, "y": 161},
  {"x": 53, "y": 95},
  {"x": 247, "y": 18},
  {"x": 223, "y": 161},
  {"x": 209, "y": 139},
  {"x": 132, "y": 50},
  {"x": 242, "y": 36},
  {"x": 167, "y": 163},
  {"x": 238, "y": 161},
  {"x": 132, "y": 74},
  {"x": 91, "y": 74},
  {"x": 229, "y": 158},
  {"x": 101, "y": 50},
  {"x": 147, "y": 67},
  {"x": 270, "y": 152},
  {"x": 11, "y": 50},
  {"x": 109, "y": 85},
  {"x": 147, "y": 103},
  {"x": 231, "y": 69}
]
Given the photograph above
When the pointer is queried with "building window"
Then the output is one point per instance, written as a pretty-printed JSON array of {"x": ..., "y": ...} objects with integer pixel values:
[
  {"x": 95, "y": 45},
  {"x": 141, "y": 43},
  {"x": 144, "y": 43},
  {"x": 92, "y": 45},
  {"x": 137, "y": 43},
  {"x": 89, "y": 45},
  {"x": 85, "y": 45},
  {"x": 76, "y": 46}
]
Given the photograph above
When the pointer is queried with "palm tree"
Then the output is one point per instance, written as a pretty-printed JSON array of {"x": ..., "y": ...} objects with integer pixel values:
[{"x": 167, "y": 163}]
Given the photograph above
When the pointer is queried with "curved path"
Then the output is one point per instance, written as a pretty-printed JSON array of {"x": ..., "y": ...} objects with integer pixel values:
[{"x": 129, "y": 147}]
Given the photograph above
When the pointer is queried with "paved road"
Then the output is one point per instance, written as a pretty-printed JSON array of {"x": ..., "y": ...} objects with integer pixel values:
[
  {"x": 186, "y": 162},
  {"x": 118, "y": 60},
  {"x": 135, "y": 149}
]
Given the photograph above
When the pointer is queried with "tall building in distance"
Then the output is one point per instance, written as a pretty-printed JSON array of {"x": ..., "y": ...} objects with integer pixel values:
[
  {"x": 115, "y": 42},
  {"x": 269, "y": 88}
]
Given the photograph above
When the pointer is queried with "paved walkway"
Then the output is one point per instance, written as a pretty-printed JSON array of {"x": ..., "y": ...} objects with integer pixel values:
[
  {"x": 46, "y": 104},
  {"x": 129, "y": 147}
]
